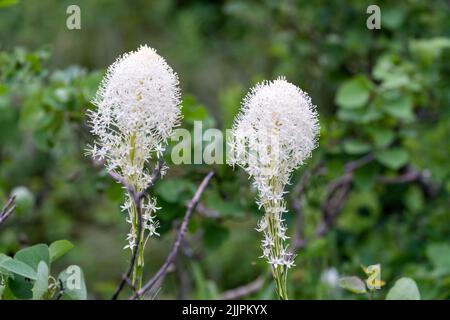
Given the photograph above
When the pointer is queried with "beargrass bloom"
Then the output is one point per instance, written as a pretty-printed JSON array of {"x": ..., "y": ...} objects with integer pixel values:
[
  {"x": 137, "y": 107},
  {"x": 275, "y": 131}
]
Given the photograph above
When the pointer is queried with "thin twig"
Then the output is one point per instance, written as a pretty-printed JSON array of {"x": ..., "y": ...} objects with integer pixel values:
[
  {"x": 411, "y": 175},
  {"x": 8, "y": 209},
  {"x": 244, "y": 290},
  {"x": 337, "y": 194},
  {"x": 137, "y": 199},
  {"x": 180, "y": 235},
  {"x": 208, "y": 213}
]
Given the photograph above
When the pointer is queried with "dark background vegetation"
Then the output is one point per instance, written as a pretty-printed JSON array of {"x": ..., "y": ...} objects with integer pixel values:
[{"x": 383, "y": 96}]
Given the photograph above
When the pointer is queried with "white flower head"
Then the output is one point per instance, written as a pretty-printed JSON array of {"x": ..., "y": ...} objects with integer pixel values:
[
  {"x": 138, "y": 105},
  {"x": 275, "y": 131}
]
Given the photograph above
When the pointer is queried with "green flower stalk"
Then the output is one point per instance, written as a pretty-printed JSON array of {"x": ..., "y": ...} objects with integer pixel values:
[
  {"x": 275, "y": 131},
  {"x": 138, "y": 105}
]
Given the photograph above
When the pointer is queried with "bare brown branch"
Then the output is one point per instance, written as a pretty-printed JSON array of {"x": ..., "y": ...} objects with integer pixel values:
[
  {"x": 180, "y": 236},
  {"x": 244, "y": 290},
  {"x": 7, "y": 209}
]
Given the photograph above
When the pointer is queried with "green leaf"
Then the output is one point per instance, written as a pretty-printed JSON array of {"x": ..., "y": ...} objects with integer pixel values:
[
  {"x": 359, "y": 115},
  {"x": 24, "y": 199},
  {"x": 20, "y": 287},
  {"x": 74, "y": 287},
  {"x": 192, "y": 110},
  {"x": 352, "y": 284},
  {"x": 393, "y": 17},
  {"x": 214, "y": 235},
  {"x": 59, "y": 248},
  {"x": 19, "y": 268},
  {"x": 3, "y": 257},
  {"x": 365, "y": 177},
  {"x": 225, "y": 208},
  {"x": 41, "y": 285},
  {"x": 354, "y": 93},
  {"x": 427, "y": 50},
  {"x": 393, "y": 158},
  {"x": 382, "y": 137},
  {"x": 171, "y": 190},
  {"x": 8, "y": 3},
  {"x": 404, "y": 289},
  {"x": 439, "y": 255},
  {"x": 356, "y": 147},
  {"x": 399, "y": 106},
  {"x": 33, "y": 255}
]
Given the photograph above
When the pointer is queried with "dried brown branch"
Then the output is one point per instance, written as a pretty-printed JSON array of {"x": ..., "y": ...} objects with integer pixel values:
[
  {"x": 411, "y": 175},
  {"x": 7, "y": 209},
  {"x": 244, "y": 290},
  {"x": 208, "y": 213},
  {"x": 180, "y": 236},
  {"x": 337, "y": 194},
  {"x": 137, "y": 199}
]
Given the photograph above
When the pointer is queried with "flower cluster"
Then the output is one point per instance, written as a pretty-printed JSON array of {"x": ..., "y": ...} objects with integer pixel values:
[
  {"x": 138, "y": 105},
  {"x": 273, "y": 134}
]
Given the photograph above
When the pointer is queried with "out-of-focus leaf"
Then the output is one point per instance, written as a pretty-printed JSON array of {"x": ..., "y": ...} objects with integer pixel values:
[
  {"x": 352, "y": 284},
  {"x": 382, "y": 137},
  {"x": 404, "y": 289},
  {"x": 41, "y": 284},
  {"x": 21, "y": 287},
  {"x": 354, "y": 93},
  {"x": 393, "y": 17},
  {"x": 8, "y": 3},
  {"x": 19, "y": 268},
  {"x": 192, "y": 111},
  {"x": 214, "y": 235},
  {"x": 399, "y": 106},
  {"x": 356, "y": 147},
  {"x": 59, "y": 248},
  {"x": 428, "y": 49},
  {"x": 171, "y": 190},
  {"x": 24, "y": 199},
  {"x": 33, "y": 255},
  {"x": 74, "y": 287},
  {"x": 393, "y": 158},
  {"x": 439, "y": 255}
]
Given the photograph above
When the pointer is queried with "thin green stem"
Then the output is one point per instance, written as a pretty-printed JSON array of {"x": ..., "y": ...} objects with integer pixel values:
[
  {"x": 279, "y": 272},
  {"x": 139, "y": 264}
]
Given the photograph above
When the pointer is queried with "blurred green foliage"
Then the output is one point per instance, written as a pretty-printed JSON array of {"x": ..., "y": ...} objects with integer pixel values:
[{"x": 382, "y": 93}]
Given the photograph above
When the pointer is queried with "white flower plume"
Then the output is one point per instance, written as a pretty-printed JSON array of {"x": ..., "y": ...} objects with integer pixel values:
[
  {"x": 138, "y": 105},
  {"x": 275, "y": 131}
]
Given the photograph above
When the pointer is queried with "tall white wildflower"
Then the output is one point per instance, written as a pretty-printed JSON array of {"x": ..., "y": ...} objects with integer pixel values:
[
  {"x": 138, "y": 105},
  {"x": 275, "y": 131}
]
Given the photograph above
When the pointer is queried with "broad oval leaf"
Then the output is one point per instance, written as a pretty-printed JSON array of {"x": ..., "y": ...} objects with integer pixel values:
[
  {"x": 59, "y": 248},
  {"x": 354, "y": 93},
  {"x": 33, "y": 255},
  {"x": 19, "y": 267},
  {"x": 393, "y": 158},
  {"x": 74, "y": 287},
  {"x": 352, "y": 284},
  {"x": 404, "y": 289},
  {"x": 356, "y": 147}
]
